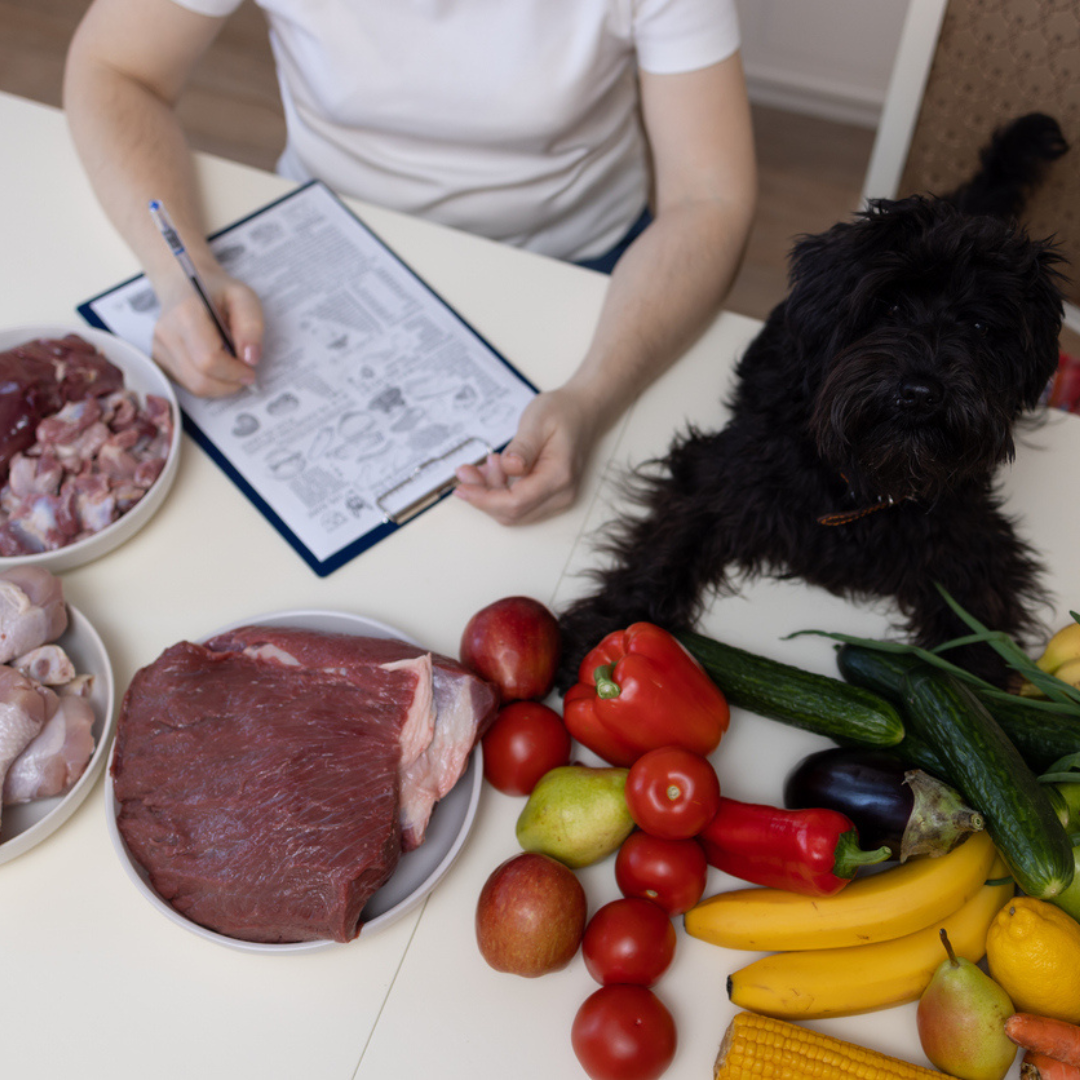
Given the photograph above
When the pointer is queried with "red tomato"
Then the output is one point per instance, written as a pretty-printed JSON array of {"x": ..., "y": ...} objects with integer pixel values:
[
  {"x": 629, "y": 941},
  {"x": 672, "y": 792},
  {"x": 671, "y": 873},
  {"x": 527, "y": 740},
  {"x": 623, "y": 1032}
]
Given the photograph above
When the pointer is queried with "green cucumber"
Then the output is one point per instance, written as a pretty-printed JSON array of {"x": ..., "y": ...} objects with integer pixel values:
[
  {"x": 803, "y": 699},
  {"x": 989, "y": 772},
  {"x": 884, "y": 672},
  {"x": 879, "y": 670},
  {"x": 1041, "y": 733}
]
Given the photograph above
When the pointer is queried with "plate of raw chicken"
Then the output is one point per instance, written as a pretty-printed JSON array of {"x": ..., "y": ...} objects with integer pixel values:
[
  {"x": 89, "y": 444},
  {"x": 57, "y": 708},
  {"x": 318, "y": 774}
]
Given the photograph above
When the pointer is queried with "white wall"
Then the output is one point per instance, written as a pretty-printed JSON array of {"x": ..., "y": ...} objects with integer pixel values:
[{"x": 828, "y": 58}]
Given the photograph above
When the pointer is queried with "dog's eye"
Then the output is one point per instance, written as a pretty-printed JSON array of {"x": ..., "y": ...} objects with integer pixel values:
[{"x": 981, "y": 327}]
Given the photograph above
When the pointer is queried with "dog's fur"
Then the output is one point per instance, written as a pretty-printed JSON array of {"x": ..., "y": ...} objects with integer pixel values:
[{"x": 889, "y": 381}]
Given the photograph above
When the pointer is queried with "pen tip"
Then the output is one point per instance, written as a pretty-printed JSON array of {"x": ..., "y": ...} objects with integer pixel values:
[{"x": 154, "y": 204}]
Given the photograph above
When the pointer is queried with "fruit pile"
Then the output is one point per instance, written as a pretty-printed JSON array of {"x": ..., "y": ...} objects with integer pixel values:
[{"x": 970, "y": 796}]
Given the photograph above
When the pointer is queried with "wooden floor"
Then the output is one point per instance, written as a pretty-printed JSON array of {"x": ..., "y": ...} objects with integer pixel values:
[{"x": 811, "y": 170}]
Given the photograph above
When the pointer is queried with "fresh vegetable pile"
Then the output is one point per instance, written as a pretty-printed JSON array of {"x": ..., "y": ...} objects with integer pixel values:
[{"x": 961, "y": 800}]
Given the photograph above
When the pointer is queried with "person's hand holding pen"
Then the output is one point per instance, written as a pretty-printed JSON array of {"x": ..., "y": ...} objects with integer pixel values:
[{"x": 209, "y": 334}]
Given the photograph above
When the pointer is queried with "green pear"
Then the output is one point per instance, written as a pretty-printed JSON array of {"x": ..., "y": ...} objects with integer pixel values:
[
  {"x": 576, "y": 814},
  {"x": 961, "y": 1020}
]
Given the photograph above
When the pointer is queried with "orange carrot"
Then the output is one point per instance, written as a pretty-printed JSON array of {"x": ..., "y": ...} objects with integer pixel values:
[
  {"x": 1053, "y": 1038},
  {"x": 1040, "y": 1067}
]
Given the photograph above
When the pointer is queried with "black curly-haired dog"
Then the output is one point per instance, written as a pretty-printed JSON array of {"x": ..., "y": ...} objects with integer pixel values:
[{"x": 867, "y": 421}]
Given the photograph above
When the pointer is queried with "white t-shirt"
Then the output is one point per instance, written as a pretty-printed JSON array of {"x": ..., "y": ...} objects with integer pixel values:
[{"x": 514, "y": 119}]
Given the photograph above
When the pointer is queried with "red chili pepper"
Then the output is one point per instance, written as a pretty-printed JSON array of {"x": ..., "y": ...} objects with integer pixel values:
[
  {"x": 639, "y": 689},
  {"x": 814, "y": 852}
]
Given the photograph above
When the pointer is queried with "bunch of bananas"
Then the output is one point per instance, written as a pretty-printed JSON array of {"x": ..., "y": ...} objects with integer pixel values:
[
  {"x": 874, "y": 945},
  {"x": 1060, "y": 658}
]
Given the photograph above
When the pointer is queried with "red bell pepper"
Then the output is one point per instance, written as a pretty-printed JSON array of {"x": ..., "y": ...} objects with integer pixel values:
[
  {"x": 814, "y": 852},
  {"x": 638, "y": 690}
]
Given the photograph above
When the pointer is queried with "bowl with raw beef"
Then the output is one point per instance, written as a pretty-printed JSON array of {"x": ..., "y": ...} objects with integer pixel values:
[
  {"x": 294, "y": 778},
  {"x": 46, "y": 779},
  {"x": 89, "y": 444}
]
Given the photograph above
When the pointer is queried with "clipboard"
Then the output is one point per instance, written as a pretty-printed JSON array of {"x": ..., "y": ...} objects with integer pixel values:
[{"x": 372, "y": 391}]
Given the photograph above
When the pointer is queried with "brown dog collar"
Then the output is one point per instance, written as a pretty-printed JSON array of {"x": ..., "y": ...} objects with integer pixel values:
[{"x": 846, "y": 516}]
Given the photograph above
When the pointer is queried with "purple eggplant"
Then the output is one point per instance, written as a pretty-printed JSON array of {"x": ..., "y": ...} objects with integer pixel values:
[{"x": 889, "y": 803}]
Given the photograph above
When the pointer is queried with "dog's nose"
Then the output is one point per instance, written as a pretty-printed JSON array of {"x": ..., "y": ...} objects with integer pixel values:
[{"x": 919, "y": 393}]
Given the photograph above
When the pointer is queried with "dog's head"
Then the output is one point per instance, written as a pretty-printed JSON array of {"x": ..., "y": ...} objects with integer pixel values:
[{"x": 924, "y": 333}]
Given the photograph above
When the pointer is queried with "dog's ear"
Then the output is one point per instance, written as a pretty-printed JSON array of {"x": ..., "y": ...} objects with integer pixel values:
[
  {"x": 827, "y": 275},
  {"x": 1039, "y": 262}
]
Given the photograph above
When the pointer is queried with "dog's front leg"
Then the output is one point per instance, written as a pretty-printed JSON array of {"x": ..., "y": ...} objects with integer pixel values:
[
  {"x": 989, "y": 571},
  {"x": 663, "y": 561}
]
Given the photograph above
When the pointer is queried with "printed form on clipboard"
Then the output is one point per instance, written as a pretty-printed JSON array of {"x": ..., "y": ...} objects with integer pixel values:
[{"x": 371, "y": 390}]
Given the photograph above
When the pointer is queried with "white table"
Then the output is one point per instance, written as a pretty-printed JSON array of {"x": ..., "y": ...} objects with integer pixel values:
[{"x": 95, "y": 982}]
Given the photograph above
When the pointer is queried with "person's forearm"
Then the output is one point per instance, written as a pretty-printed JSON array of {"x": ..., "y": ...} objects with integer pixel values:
[
  {"x": 133, "y": 150},
  {"x": 127, "y": 64},
  {"x": 665, "y": 290}
]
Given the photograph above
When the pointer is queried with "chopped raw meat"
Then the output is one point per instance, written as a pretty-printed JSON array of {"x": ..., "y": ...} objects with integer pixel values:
[
  {"x": 32, "y": 610},
  {"x": 77, "y": 449},
  {"x": 259, "y": 777},
  {"x": 38, "y": 377},
  {"x": 56, "y": 757}
]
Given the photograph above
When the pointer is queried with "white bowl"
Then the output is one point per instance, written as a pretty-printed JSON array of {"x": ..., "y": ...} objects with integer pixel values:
[
  {"x": 417, "y": 872},
  {"x": 143, "y": 376},
  {"x": 27, "y": 824}
]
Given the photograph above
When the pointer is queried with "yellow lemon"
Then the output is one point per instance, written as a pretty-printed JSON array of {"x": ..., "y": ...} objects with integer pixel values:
[{"x": 1033, "y": 951}]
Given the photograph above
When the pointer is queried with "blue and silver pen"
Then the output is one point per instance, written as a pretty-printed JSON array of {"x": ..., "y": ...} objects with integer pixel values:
[{"x": 176, "y": 246}]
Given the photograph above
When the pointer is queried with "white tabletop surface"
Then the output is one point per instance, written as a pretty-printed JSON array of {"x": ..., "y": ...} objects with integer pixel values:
[{"x": 96, "y": 983}]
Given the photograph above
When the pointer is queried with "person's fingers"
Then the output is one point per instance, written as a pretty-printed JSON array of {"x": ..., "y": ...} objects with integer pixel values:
[
  {"x": 244, "y": 316},
  {"x": 488, "y": 474},
  {"x": 544, "y": 492},
  {"x": 189, "y": 347}
]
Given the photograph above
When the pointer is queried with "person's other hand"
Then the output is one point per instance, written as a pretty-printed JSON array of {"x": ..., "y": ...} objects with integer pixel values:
[
  {"x": 538, "y": 473},
  {"x": 188, "y": 346}
]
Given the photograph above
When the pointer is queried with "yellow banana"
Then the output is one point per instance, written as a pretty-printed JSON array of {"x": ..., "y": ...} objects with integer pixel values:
[
  {"x": 878, "y": 907},
  {"x": 819, "y": 983},
  {"x": 1069, "y": 672},
  {"x": 1063, "y": 646}
]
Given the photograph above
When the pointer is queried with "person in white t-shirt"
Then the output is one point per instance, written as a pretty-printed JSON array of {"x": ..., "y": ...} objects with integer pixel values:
[{"x": 614, "y": 133}]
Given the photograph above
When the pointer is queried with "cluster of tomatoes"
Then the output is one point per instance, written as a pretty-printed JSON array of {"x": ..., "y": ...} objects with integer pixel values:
[{"x": 623, "y": 1031}]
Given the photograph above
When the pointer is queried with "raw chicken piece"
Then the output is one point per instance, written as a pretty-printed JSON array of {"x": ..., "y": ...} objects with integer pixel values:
[
  {"x": 56, "y": 757},
  {"x": 80, "y": 686},
  {"x": 32, "y": 610},
  {"x": 22, "y": 715},
  {"x": 47, "y": 664}
]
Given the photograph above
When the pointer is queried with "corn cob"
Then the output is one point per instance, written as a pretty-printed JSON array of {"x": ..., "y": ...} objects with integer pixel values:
[{"x": 759, "y": 1048}]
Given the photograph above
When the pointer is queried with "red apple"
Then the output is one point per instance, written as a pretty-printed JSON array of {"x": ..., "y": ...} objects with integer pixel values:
[
  {"x": 530, "y": 916},
  {"x": 513, "y": 643}
]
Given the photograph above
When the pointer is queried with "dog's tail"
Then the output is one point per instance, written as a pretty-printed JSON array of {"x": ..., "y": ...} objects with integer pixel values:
[{"x": 1011, "y": 166}]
